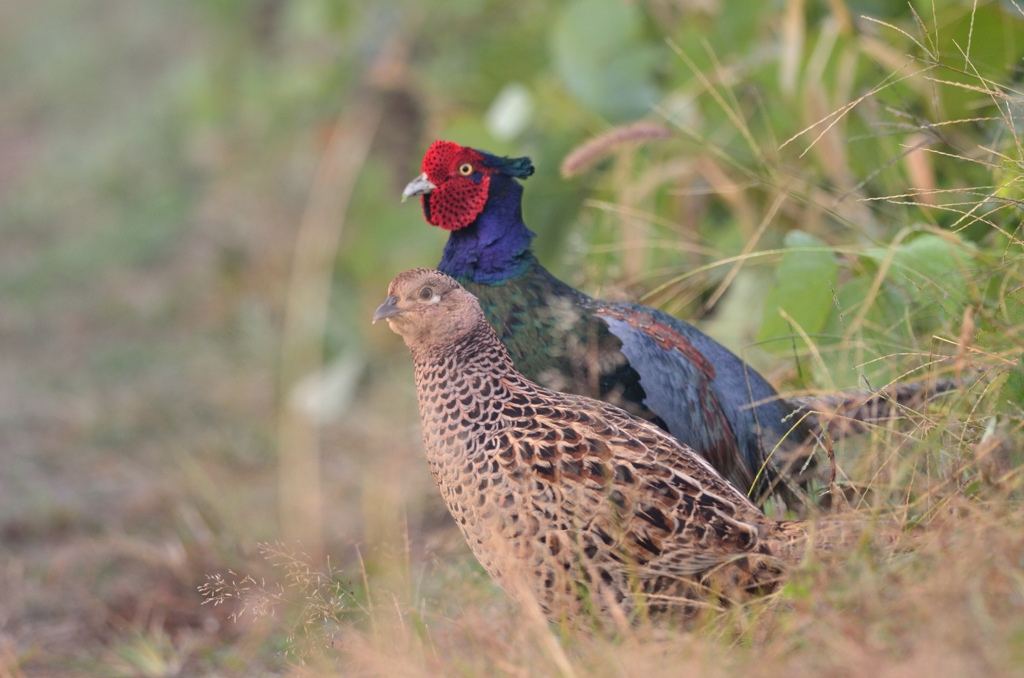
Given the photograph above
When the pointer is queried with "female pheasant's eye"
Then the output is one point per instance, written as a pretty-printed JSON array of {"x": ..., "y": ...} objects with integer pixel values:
[
  {"x": 465, "y": 169},
  {"x": 426, "y": 293}
]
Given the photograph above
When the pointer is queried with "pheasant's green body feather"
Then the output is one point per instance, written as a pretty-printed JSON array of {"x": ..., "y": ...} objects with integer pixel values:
[{"x": 550, "y": 333}]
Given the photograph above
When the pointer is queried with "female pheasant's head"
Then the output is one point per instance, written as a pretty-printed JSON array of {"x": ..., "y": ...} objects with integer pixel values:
[
  {"x": 456, "y": 181},
  {"x": 429, "y": 309}
]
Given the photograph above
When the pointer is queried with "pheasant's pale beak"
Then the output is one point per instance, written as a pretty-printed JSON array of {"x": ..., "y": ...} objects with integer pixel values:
[
  {"x": 389, "y": 309},
  {"x": 418, "y": 186}
]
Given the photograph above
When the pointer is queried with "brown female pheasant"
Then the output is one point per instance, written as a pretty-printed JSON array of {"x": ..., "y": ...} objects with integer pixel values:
[{"x": 565, "y": 498}]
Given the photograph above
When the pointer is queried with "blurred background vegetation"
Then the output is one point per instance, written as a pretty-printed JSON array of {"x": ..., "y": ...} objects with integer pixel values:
[{"x": 199, "y": 211}]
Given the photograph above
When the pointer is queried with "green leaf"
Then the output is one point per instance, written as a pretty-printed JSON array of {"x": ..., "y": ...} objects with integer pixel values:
[
  {"x": 600, "y": 55},
  {"x": 803, "y": 289},
  {"x": 1014, "y": 303},
  {"x": 883, "y": 324},
  {"x": 929, "y": 271},
  {"x": 1011, "y": 396}
]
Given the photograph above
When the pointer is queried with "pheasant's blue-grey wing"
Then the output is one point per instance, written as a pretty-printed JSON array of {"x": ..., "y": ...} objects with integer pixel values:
[{"x": 701, "y": 390}]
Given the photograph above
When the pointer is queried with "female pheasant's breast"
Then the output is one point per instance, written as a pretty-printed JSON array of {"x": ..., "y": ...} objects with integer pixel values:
[{"x": 467, "y": 444}]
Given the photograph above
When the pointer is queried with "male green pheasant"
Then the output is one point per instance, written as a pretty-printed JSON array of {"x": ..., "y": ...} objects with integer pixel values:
[
  {"x": 567, "y": 499},
  {"x": 643, "y": 360}
]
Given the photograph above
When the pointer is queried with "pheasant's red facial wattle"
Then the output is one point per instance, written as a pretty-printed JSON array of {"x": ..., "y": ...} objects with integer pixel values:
[{"x": 462, "y": 184}]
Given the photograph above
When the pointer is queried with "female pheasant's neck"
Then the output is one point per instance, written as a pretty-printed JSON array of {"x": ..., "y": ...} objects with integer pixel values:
[
  {"x": 478, "y": 353},
  {"x": 496, "y": 246}
]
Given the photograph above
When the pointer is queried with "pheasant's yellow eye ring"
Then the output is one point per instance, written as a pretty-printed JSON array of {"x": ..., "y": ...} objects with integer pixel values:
[
  {"x": 465, "y": 169},
  {"x": 426, "y": 293}
]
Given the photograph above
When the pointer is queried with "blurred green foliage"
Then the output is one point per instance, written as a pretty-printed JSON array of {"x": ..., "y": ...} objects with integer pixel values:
[{"x": 599, "y": 53}]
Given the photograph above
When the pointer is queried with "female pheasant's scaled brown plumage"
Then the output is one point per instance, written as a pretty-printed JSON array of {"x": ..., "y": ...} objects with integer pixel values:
[{"x": 567, "y": 498}]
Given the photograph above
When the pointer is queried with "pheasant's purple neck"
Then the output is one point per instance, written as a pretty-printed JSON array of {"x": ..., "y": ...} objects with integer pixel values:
[{"x": 496, "y": 246}]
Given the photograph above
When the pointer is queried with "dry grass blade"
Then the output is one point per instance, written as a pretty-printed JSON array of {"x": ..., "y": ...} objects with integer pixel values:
[
  {"x": 306, "y": 318},
  {"x": 839, "y": 501},
  {"x": 743, "y": 257},
  {"x": 794, "y": 27},
  {"x": 540, "y": 629},
  {"x": 964, "y": 341},
  {"x": 971, "y": 88},
  {"x": 932, "y": 40},
  {"x": 690, "y": 243},
  {"x": 843, "y": 110},
  {"x": 709, "y": 87},
  {"x": 968, "y": 217},
  {"x": 811, "y": 346},
  {"x": 970, "y": 34},
  {"x": 910, "y": 150},
  {"x": 926, "y": 126},
  {"x": 751, "y": 243},
  {"x": 900, "y": 30}
]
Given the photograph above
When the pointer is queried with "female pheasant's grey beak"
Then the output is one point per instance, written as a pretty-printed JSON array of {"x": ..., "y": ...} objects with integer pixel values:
[
  {"x": 418, "y": 186},
  {"x": 388, "y": 309}
]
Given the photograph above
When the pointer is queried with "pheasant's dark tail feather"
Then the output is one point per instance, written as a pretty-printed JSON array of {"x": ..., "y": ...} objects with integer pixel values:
[{"x": 854, "y": 411}]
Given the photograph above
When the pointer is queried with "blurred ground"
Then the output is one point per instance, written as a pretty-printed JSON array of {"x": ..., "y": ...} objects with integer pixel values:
[{"x": 140, "y": 299}]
